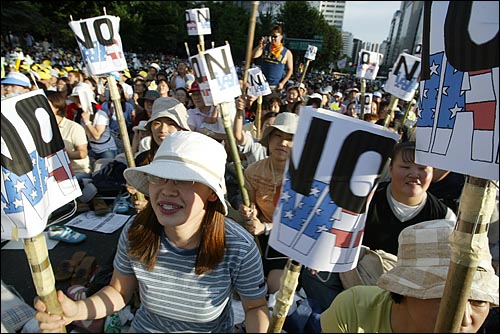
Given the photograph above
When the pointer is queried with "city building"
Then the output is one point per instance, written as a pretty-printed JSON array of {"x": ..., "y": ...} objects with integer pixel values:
[{"x": 333, "y": 11}]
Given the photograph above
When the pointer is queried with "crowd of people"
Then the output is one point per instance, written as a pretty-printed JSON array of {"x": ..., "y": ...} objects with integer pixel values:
[{"x": 194, "y": 244}]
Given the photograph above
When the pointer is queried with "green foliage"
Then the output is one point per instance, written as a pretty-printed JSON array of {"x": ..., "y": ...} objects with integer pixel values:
[{"x": 154, "y": 27}]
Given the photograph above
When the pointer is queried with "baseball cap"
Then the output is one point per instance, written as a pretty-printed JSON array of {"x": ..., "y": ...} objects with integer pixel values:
[{"x": 17, "y": 79}]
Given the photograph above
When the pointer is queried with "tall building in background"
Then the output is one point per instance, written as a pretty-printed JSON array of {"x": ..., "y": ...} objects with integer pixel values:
[
  {"x": 347, "y": 43},
  {"x": 333, "y": 11}
]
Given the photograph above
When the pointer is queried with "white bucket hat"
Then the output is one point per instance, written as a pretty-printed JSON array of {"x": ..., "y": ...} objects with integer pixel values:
[
  {"x": 424, "y": 258},
  {"x": 171, "y": 108},
  {"x": 186, "y": 156},
  {"x": 285, "y": 121},
  {"x": 141, "y": 126},
  {"x": 16, "y": 78}
]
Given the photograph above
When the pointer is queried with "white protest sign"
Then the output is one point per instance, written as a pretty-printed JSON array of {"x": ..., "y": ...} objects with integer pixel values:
[
  {"x": 458, "y": 116},
  {"x": 368, "y": 64},
  {"x": 403, "y": 80},
  {"x": 216, "y": 75},
  {"x": 334, "y": 168},
  {"x": 100, "y": 44},
  {"x": 198, "y": 21},
  {"x": 36, "y": 174},
  {"x": 311, "y": 52},
  {"x": 368, "y": 103},
  {"x": 257, "y": 83}
]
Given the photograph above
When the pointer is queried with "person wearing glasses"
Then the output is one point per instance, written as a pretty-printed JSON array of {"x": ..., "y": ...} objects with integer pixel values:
[
  {"x": 277, "y": 60},
  {"x": 182, "y": 254}
]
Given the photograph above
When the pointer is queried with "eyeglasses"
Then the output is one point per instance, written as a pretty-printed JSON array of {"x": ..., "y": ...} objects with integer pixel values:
[
  {"x": 153, "y": 179},
  {"x": 275, "y": 36}
]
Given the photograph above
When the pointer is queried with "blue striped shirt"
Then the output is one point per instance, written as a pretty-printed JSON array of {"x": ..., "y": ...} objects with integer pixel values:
[{"x": 175, "y": 299}]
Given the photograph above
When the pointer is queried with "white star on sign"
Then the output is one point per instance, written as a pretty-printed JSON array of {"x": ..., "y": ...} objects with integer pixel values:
[
  {"x": 19, "y": 186},
  {"x": 17, "y": 203},
  {"x": 434, "y": 68},
  {"x": 454, "y": 110},
  {"x": 289, "y": 215},
  {"x": 321, "y": 228}
]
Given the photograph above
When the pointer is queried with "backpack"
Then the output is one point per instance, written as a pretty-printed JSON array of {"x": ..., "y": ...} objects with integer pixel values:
[
  {"x": 371, "y": 265},
  {"x": 109, "y": 180}
]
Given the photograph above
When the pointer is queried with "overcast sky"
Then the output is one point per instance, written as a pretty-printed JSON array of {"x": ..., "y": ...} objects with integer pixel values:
[{"x": 369, "y": 21}]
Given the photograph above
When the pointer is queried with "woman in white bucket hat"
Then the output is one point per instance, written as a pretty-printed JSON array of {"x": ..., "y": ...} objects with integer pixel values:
[
  {"x": 182, "y": 254},
  {"x": 407, "y": 297}
]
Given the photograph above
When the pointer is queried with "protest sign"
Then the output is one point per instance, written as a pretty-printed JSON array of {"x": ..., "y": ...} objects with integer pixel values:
[
  {"x": 216, "y": 75},
  {"x": 36, "y": 173},
  {"x": 257, "y": 83},
  {"x": 311, "y": 52},
  {"x": 403, "y": 80},
  {"x": 458, "y": 118},
  {"x": 198, "y": 21},
  {"x": 368, "y": 64},
  {"x": 100, "y": 44},
  {"x": 335, "y": 165}
]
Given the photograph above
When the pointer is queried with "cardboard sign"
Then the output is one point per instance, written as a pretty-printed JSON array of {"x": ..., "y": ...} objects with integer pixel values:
[
  {"x": 311, "y": 52},
  {"x": 334, "y": 168},
  {"x": 36, "y": 172},
  {"x": 216, "y": 75},
  {"x": 368, "y": 64},
  {"x": 458, "y": 118},
  {"x": 198, "y": 21},
  {"x": 403, "y": 80},
  {"x": 368, "y": 103},
  {"x": 100, "y": 44},
  {"x": 257, "y": 83}
]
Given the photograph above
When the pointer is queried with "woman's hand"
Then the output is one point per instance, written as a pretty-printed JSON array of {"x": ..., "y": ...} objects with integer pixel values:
[{"x": 52, "y": 323}]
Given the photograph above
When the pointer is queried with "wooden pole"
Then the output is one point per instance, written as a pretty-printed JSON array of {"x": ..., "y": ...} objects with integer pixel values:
[
  {"x": 187, "y": 49},
  {"x": 305, "y": 70},
  {"x": 392, "y": 106},
  {"x": 258, "y": 115},
  {"x": 476, "y": 206},
  {"x": 284, "y": 297},
  {"x": 362, "y": 99},
  {"x": 251, "y": 33},
  {"x": 202, "y": 42},
  {"x": 226, "y": 120},
  {"x": 115, "y": 96},
  {"x": 42, "y": 273}
]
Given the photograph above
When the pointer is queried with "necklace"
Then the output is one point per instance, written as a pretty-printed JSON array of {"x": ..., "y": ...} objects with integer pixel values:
[{"x": 276, "y": 180}]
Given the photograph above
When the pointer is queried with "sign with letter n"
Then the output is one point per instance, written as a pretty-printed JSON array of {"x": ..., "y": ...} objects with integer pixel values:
[
  {"x": 216, "y": 75},
  {"x": 198, "y": 21},
  {"x": 403, "y": 79},
  {"x": 100, "y": 44}
]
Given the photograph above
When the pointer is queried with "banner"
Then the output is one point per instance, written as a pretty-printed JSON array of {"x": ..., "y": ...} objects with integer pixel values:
[
  {"x": 311, "y": 52},
  {"x": 342, "y": 63},
  {"x": 334, "y": 168},
  {"x": 457, "y": 125},
  {"x": 257, "y": 83},
  {"x": 36, "y": 173},
  {"x": 403, "y": 80},
  {"x": 368, "y": 64},
  {"x": 216, "y": 75},
  {"x": 198, "y": 21},
  {"x": 100, "y": 44}
]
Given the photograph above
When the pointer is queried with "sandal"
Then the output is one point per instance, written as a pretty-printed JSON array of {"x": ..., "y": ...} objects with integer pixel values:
[
  {"x": 82, "y": 274},
  {"x": 122, "y": 205},
  {"x": 64, "y": 270},
  {"x": 64, "y": 233}
]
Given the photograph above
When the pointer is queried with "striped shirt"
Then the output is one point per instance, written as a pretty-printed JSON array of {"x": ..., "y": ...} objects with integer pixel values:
[{"x": 175, "y": 299}]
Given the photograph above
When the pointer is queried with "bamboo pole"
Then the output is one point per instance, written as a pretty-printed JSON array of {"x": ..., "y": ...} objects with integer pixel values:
[
  {"x": 392, "y": 106},
  {"x": 115, "y": 96},
  {"x": 474, "y": 213},
  {"x": 362, "y": 99},
  {"x": 42, "y": 273},
  {"x": 305, "y": 70},
  {"x": 251, "y": 33},
  {"x": 284, "y": 297},
  {"x": 258, "y": 116}
]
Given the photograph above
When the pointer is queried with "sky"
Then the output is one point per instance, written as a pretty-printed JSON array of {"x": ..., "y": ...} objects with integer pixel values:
[{"x": 369, "y": 21}]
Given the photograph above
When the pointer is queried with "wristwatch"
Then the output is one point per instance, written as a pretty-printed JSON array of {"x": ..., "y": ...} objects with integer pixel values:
[{"x": 268, "y": 228}]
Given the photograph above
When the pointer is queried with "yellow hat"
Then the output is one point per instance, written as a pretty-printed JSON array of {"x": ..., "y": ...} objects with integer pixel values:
[
  {"x": 44, "y": 74},
  {"x": 47, "y": 63},
  {"x": 126, "y": 73}
]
